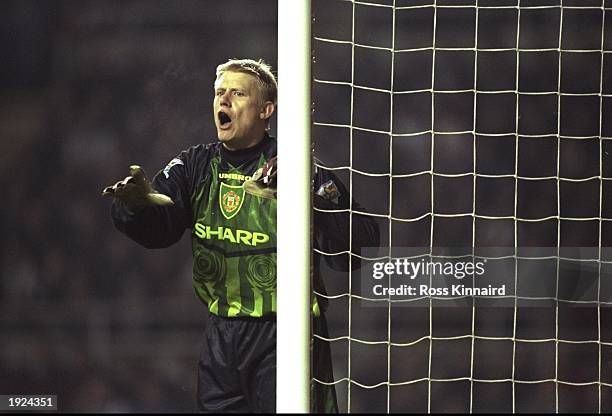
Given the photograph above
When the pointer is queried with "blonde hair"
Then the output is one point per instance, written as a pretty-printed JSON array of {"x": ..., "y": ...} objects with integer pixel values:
[{"x": 266, "y": 80}]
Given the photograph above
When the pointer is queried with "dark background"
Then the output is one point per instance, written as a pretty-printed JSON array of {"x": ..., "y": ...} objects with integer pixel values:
[
  {"x": 89, "y": 87},
  {"x": 86, "y": 89},
  {"x": 506, "y": 167}
]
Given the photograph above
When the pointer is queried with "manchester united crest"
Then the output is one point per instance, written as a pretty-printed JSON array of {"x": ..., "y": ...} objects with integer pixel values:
[{"x": 231, "y": 198}]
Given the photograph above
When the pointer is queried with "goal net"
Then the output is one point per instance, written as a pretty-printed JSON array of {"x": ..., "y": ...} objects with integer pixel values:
[{"x": 477, "y": 124}]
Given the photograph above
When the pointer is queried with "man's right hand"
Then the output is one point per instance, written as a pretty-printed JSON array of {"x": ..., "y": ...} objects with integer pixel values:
[{"x": 136, "y": 191}]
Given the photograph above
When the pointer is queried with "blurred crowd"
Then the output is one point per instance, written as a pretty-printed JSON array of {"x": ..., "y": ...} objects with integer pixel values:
[{"x": 86, "y": 89}]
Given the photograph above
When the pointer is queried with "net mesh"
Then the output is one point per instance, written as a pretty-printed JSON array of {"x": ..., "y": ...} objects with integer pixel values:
[{"x": 474, "y": 124}]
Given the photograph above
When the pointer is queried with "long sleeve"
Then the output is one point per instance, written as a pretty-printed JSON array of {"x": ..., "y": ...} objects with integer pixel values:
[
  {"x": 157, "y": 226},
  {"x": 333, "y": 230}
]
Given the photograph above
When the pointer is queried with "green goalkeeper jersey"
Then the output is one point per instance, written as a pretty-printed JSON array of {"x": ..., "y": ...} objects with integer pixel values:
[
  {"x": 234, "y": 244},
  {"x": 233, "y": 233}
]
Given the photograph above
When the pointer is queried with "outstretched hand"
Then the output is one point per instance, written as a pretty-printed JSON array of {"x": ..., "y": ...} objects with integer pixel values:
[{"x": 136, "y": 191}]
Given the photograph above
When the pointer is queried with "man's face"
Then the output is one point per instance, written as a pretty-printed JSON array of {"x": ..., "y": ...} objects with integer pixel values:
[{"x": 239, "y": 111}]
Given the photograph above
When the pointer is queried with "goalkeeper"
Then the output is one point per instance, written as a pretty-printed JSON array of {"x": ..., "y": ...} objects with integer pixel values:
[{"x": 225, "y": 194}]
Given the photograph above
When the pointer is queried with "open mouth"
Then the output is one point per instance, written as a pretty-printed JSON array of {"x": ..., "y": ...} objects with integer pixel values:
[{"x": 224, "y": 120}]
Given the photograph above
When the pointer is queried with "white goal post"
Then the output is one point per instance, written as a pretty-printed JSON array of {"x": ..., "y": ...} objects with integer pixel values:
[{"x": 294, "y": 207}]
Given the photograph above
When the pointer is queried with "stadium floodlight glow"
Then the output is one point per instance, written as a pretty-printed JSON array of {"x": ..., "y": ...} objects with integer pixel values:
[{"x": 294, "y": 207}]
